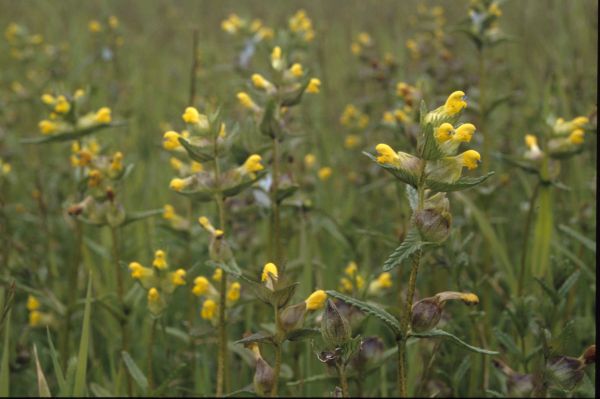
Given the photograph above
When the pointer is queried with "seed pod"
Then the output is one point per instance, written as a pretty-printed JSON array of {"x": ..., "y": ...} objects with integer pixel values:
[
  {"x": 292, "y": 317},
  {"x": 334, "y": 327},
  {"x": 565, "y": 372},
  {"x": 589, "y": 356},
  {"x": 518, "y": 385},
  {"x": 370, "y": 353},
  {"x": 264, "y": 377},
  {"x": 433, "y": 225},
  {"x": 426, "y": 313}
]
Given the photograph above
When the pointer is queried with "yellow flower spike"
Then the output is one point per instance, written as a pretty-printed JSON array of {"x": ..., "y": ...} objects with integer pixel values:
[
  {"x": 48, "y": 99},
  {"x": 260, "y": 82},
  {"x": 47, "y": 127},
  {"x": 61, "y": 105},
  {"x": 137, "y": 270},
  {"x": 444, "y": 132},
  {"x": 95, "y": 26},
  {"x": 160, "y": 261},
  {"x": 265, "y": 33},
  {"x": 246, "y": 101},
  {"x": 191, "y": 115},
  {"x": 253, "y": 164},
  {"x": 455, "y": 103},
  {"x": 103, "y": 115},
  {"x": 576, "y": 136},
  {"x": 153, "y": 295},
  {"x": 351, "y": 269},
  {"x": 495, "y": 10},
  {"x": 580, "y": 121},
  {"x": 269, "y": 272},
  {"x": 171, "y": 140},
  {"x": 176, "y": 163},
  {"x": 387, "y": 155},
  {"x": 352, "y": 141},
  {"x": 113, "y": 22},
  {"x": 471, "y": 159},
  {"x": 196, "y": 167},
  {"x": 531, "y": 141},
  {"x": 385, "y": 280},
  {"x": 316, "y": 300},
  {"x": 209, "y": 309},
  {"x": 233, "y": 294},
  {"x": 309, "y": 160},
  {"x": 201, "y": 285},
  {"x": 177, "y": 277},
  {"x": 116, "y": 164},
  {"x": 314, "y": 86},
  {"x": 276, "y": 58},
  {"x": 324, "y": 173},
  {"x": 32, "y": 303},
  {"x": 296, "y": 70},
  {"x": 94, "y": 178},
  {"x": 464, "y": 132},
  {"x": 35, "y": 318},
  {"x": 177, "y": 184},
  {"x": 469, "y": 298},
  {"x": 169, "y": 212},
  {"x": 217, "y": 275}
]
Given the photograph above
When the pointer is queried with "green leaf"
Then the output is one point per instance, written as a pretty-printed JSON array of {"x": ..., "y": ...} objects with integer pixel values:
[
  {"x": 294, "y": 98},
  {"x": 99, "y": 391},
  {"x": 430, "y": 150},
  {"x": 568, "y": 284},
  {"x": 230, "y": 267},
  {"x": 82, "y": 357},
  {"x": 5, "y": 363},
  {"x": 43, "y": 390},
  {"x": 411, "y": 244},
  {"x": 197, "y": 153},
  {"x": 435, "y": 333},
  {"x": 281, "y": 296},
  {"x": 236, "y": 189},
  {"x": 58, "y": 373},
  {"x": 135, "y": 372},
  {"x": 261, "y": 336},
  {"x": 460, "y": 184},
  {"x": 371, "y": 309},
  {"x": 403, "y": 175},
  {"x": 72, "y": 135},
  {"x": 268, "y": 125},
  {"x": 549, "y": 290},
  {"x": 507, "y": 341},
  {"x": 135, "y": 216},
  {"x": 302, "y": 333},
  {"x": 586, "y": 242}
]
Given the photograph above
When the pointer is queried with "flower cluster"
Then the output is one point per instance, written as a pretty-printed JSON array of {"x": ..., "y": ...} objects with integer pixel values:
[
  {"x": 301, "y": 26},
  {"x": 430, "y": 38},
  {"x": 353, "y": 282},
  {"x": 404, "y": 112},
  {"x": 36, "y": 317},
  {"x": 108, "y": 28},
  {"x": 484, "y": 29},
  {"x": 158, "y": 281},
  {"x": 372, "y": 65},
  {"x": 175, "y": 221},
  {"x": 234, "y": 25}
]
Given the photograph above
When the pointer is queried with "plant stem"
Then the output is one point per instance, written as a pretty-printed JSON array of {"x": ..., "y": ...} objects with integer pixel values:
[
  {"x": 482, "y": 111},
  {"x": 343, "y": 380},
  {"x": 277, "y": 369},
  {"x": 120, "y": 294},
  {"x": 149, "y": 359},
  {"x": 526, "y": 237},
  {"x": 276, "y": 250}
]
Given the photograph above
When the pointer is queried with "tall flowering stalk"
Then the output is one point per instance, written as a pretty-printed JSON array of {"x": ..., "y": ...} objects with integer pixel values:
[{"x": 206, "y": 142}]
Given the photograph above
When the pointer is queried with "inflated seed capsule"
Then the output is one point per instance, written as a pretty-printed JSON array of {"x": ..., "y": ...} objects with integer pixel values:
[
  {"x": 334, "y": 327},
  {"x": 292, "y": 317},
  {"x": 426, "y": 313},
  {"x": 370, "y": 353}
]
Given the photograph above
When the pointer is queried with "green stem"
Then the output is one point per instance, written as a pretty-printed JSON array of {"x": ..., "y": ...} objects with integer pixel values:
[
  {"x": 526, "y": 238},
  {"x": 149, "y": 358},
  {"x": 276, "y": 249},
  {"x": 482, "y": 112},
  {"x": 277, "y": 369},
  {"x": 343, "y": 380}
]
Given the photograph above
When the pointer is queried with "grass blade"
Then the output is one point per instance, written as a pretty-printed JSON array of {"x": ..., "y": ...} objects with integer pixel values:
[
  {"x": 82, "y": 357},
  {"x": 58, "y": 373},
  {"x": 4, "y": 366},
  {"x": 42, "y": 384},
  {"x": 136, "y": 373}
]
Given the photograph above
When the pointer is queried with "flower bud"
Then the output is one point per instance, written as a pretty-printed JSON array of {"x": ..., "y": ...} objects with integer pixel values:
[
  {"x": 292, "y": 317},
  {"x": 334, "y": 327}
]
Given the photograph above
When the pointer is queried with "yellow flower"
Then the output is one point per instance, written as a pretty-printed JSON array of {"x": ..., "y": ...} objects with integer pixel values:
[
  {"x": 580, "y": 121},
  {"x": 352, "y": 141},
  {"x": 78, "y": 94},
  {"x": 246, "y": 101},
  {"x": 116, "y": 164},
  {"x": 169, "y": 212},
  {"x": 296, "y": 70},
  {"x": 313, "y": 86},
  {"x": 316, "y": 300},
  {"x": 191, "y": 115},
  {"x": 464, "y": 132},
  {"x": 160, "y": 261},
  {"x": 265, "y": 33},
  {"x": 217, "y": 275},
  {"x": 35, "y": 318},
  {"x": 444, "y": 132},
  {"x": 355, "y": 48},
  {"x": 495, "y": 10},
  {"x": 6, "y": 168},
  {"x": 32, "y": 303},
  {"x": 177, "y": 184},
  {"x": 531, "y": 141},
  {"x": 47, "y": 127},
  {"x": 62, "y": 106},
  {"x": 469, "y": 298},
  {"x": 94, "y": 26},
  {"x": 153, "y": 295},
  {"x": 346, "y": 285},
  {"x": 138, "y": 271},
  {"x": 269, "y": 272},
  {"x": 324, "y": 173},
  {"x": 233, "y": 294},
  {"x": 253, "y": 164},
  {"x": 94, "y": 178},
  {"x": 48, "y": 99},
  {"x": 103, "y": 115},
  {"x": 471, "y": 159},
  {"x": 177, "y": 277},
  {"x": 400, "y": 115},
  {"x": 360, "y": 282},
  {"x": 196, "y": 167},
  {"x": 455, "y": 103},
  {"x": 113, "y": 22},
  {"x": 309, "y": 160},
  {"x": 364, "y": 38},
  {"x": 387, "y": 155},
  {"x": 261, "y": 83},
  {"x": 204, "y": 222},
  {"x": 576, "y": 136},
  {"x": 171, "y": 140},
  {"x": 276, "y": 59},
  {"x": 388, "y": 117},
  {"x": 201, "y": 285},
  {"x": 351, "y": 269},
  {"x": 385, "y": 280},
  {"x": 176, "y": 163},
  {"x": 209, "y": 309}
]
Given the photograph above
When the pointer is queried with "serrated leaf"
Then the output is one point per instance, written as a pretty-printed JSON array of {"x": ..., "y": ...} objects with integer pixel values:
[
  {"x": 261, "y": 336},
  {"x": 199, "y": 154},
  {"x": 43, "y": 390},
  {"x": 135, "y": 372},
  {"x": 461, "y": 184},
  {"x": 411, "y": 244},
  {"x": 71, "y": 135},
  {"x": 302, "y": 333},
  {"x": 371, "y": 309},
  {"x": 403, "y": 175},
  {"x": 435, "y": 333}
]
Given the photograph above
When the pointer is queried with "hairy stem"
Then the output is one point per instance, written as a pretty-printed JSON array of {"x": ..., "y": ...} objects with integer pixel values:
[
  {"x": 526, "y": 237},
  {"x": 341, "y": 369},
  {"x": 149, "y": 358},
  {"x": 276, "y": 250},
  {"x": 277, "y": 370}
]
